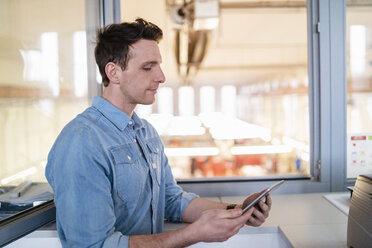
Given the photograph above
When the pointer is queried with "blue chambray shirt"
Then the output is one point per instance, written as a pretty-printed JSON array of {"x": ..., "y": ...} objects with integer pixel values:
[{"x": 111, "y": 179}]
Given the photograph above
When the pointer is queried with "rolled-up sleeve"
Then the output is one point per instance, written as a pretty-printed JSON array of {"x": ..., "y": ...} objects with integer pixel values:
[
  {"x": 116, "y": 239},
  {"x": 176, "y": 200}
]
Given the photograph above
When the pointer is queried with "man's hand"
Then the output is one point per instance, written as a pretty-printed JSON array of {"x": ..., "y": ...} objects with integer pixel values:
[
  {"x": 260, "y": 211},
  {"x": 215, "y": 225},
  {"x": 219, "y": 225}
]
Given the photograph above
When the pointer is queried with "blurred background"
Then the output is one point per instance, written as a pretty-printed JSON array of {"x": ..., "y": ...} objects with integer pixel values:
[{"x": 235, "y": 104}]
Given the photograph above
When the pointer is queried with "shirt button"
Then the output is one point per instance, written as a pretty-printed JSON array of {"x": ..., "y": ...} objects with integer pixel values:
[
  {"x": 135, "y": 140},
  {"x": 129, "y": 157},
  {"x": 130, "y": 122}
]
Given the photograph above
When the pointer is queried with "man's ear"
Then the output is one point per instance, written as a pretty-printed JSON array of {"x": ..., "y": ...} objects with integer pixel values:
[{"x": 112, "y": 71}]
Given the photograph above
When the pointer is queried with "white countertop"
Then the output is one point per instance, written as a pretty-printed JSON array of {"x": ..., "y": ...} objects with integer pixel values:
[{"x": 307, "y": 220}]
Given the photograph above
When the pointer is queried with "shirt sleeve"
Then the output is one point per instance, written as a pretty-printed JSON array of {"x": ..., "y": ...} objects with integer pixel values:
[
  {"x": 78, "y": 172},
  {"x": 176, "y": 200}
]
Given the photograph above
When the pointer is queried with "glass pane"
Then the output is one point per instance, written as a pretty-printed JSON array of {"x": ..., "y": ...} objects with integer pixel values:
[
  {"x": 186, "y": 100},
  {"x": 228, "y": 96},
  {"x": 359, "y": 87},
  {"x": 43, "y": 63},
  {"x": 207, "y": 99},
  {"x": 248, "y": 114},
  {"x": 165, "y": 100}
]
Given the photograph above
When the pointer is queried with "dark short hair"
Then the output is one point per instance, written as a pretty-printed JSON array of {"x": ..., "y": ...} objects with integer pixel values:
[{"x": 114, "y": 40}]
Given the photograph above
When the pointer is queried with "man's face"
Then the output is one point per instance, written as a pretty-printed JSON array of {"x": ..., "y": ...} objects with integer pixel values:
[{"x": 140, "y": 80}]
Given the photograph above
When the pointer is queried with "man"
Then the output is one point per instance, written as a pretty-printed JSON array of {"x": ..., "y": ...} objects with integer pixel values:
[{"x": 112, "y": 182}]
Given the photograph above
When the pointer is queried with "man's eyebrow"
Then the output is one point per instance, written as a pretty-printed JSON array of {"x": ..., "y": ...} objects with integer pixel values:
[{"x": 154, "y": 62}]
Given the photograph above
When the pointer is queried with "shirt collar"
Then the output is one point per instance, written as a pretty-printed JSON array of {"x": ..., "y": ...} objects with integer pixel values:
[
  {"x": 115, "y": 115},
  {"x": 138, "y": 122}
]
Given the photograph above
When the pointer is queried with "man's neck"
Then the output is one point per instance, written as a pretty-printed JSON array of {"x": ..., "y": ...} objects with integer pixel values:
[{"x": 118, "y": 101}]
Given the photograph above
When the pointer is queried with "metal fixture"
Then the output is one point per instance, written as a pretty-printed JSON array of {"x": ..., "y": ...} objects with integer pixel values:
[{"x": 193, "y": 22}]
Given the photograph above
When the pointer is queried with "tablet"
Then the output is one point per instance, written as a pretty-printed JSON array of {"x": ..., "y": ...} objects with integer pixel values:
[{"x": 267, "y": 191}]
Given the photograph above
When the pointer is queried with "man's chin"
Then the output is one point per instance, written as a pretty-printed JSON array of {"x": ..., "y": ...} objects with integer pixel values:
[{"x": 148, "y": 102}]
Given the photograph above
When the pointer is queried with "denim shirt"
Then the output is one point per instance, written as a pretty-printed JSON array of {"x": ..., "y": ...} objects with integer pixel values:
[{"x": 111, "y": 179}]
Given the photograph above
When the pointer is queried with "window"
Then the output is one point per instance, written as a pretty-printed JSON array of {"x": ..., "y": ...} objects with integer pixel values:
[
  {"x": 359, "y": 89},
  {"x": 44, "y": 85}
]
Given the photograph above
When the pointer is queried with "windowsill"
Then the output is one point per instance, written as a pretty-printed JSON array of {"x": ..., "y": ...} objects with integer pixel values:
[{"x": 243, "y": 179}]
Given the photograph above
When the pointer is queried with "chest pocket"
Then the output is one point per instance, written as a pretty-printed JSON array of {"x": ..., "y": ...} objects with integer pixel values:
[
  {"x": 155, "y": 153},
  {"x": 131, "y": 174}
]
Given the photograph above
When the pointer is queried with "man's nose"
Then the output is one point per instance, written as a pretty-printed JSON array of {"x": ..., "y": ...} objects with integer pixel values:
[{"x": 161, "y": 76}]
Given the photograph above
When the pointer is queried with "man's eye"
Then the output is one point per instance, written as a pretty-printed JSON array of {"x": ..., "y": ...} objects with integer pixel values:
[{"x": 147, "y": 68}]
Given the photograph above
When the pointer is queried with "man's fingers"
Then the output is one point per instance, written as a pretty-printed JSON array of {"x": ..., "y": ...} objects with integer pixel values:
[
  {"x": 259, "y": 214},
  {"x": 244, "y": 217},
  {"x": 249, "y": 212},
  {"x": 268, "y": 201},
  {"x": 264, "y": 208},
  {"x": 228, "y": 214},
  {"x": 254, "y": 221}
]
